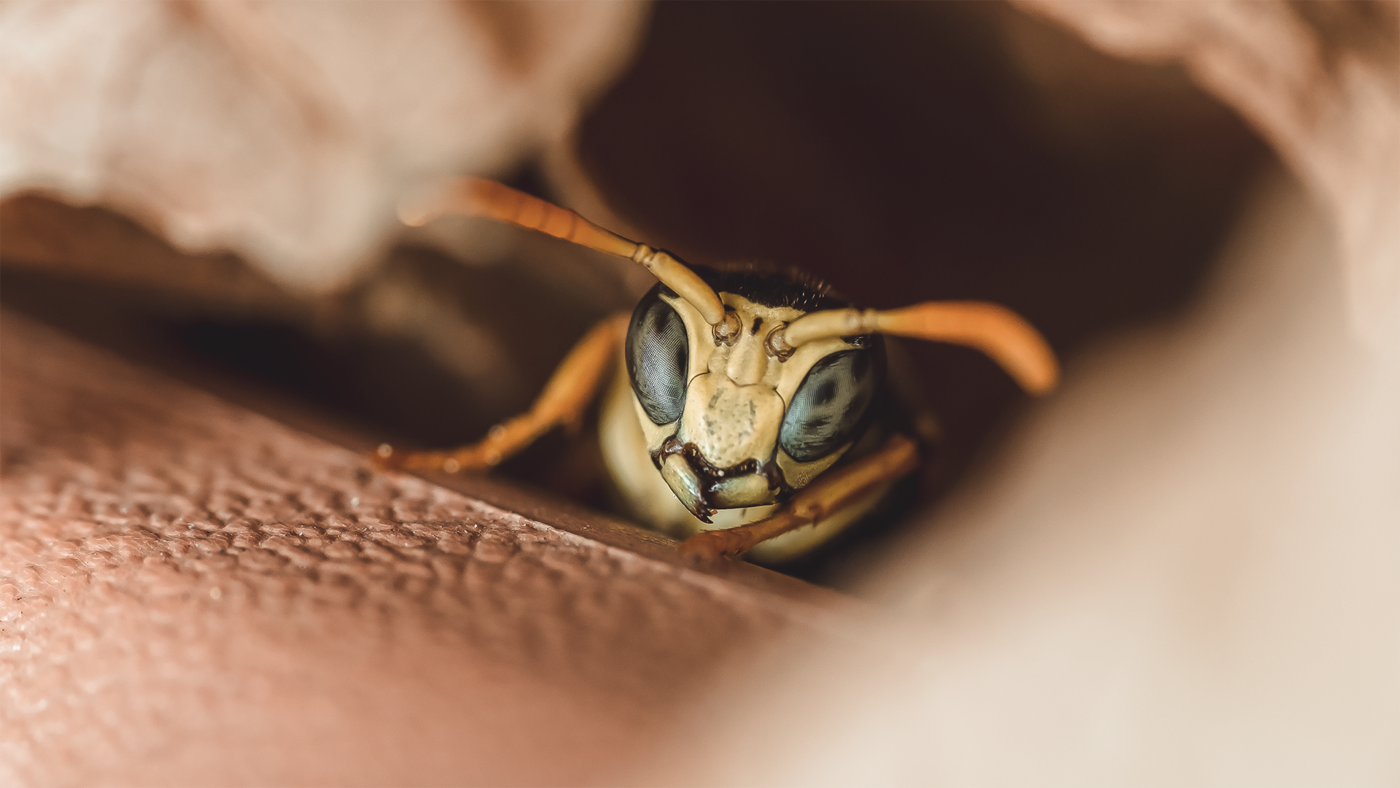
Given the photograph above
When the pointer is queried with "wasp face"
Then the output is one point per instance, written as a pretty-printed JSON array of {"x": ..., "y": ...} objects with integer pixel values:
[{"x": 730, "y": 425}]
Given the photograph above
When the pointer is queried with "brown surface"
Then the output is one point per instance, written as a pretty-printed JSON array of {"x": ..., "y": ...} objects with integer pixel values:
[
  {"x": 194, "y": 594},
  {"x": 99, "y": 246}
]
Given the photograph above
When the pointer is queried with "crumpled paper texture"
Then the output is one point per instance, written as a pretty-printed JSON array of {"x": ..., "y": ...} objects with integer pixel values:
[{"x": 287, "y": 132}]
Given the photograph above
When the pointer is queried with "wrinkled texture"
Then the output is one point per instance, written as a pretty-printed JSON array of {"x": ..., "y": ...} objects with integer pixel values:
[
  {"x": 1320, "y": 81},
  {"x": 287, "y": 132},
  {"x": 192, "y": 594}
]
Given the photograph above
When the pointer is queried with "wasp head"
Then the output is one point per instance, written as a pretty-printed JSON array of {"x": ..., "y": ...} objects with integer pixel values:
[{"x": 732, "y": 422}]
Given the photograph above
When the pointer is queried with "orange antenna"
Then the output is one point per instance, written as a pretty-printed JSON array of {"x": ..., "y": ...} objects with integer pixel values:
[
  {"x": 478, "y": 197},
  {"x": 1003, "y": 335}
]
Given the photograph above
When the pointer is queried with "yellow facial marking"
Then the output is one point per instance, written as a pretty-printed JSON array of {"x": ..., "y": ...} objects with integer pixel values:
[{"x": 736, "y": 396}]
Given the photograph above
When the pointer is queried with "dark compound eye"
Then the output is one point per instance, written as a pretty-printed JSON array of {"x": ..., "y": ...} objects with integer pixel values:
[
  {"x": 657, "y": 352},
  {"x": 829, "y": 404}
]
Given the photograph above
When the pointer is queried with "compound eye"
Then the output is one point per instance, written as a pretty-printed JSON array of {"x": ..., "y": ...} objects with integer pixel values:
[
  {"x": 657, "y": 353},
  {"x": 828, "y": 406}
]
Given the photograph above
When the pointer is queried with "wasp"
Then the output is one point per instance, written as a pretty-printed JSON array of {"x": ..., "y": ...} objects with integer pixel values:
[{"x": 746, "y": 410}]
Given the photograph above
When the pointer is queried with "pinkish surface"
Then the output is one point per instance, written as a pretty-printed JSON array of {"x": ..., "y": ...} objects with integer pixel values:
[{"x": 194, "y": 594}]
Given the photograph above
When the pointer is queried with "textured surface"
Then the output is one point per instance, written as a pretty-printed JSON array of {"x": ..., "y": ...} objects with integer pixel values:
[{"x": 194, "y": 594}]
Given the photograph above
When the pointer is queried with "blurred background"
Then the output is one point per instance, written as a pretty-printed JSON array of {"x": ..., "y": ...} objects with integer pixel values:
[
  {"x": 902, "y": 152},
  {"x": 1184, "y": 567}
]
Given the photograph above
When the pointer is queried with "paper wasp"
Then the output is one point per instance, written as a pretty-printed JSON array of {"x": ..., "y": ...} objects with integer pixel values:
[{"x": 744, "y": 408}]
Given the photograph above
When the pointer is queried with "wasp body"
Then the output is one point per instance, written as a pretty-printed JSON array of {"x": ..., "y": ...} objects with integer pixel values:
[{"x": 745, "y": 409}]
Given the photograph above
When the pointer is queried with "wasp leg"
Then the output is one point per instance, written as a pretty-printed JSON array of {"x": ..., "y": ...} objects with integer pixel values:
[
  {"x": 824, "y": 496},
  {"x": 565, "y": 398}
]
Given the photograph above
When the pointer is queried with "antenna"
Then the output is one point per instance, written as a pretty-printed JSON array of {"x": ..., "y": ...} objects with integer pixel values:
[
  {"x": 479, "y": 197},
  {"x": 1001, "y": 334}
]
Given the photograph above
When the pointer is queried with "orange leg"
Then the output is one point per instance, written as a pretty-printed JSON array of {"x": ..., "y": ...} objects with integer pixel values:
[
  {"x": 826, "y": 495},
  {"x": 564, "y": 399}
]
